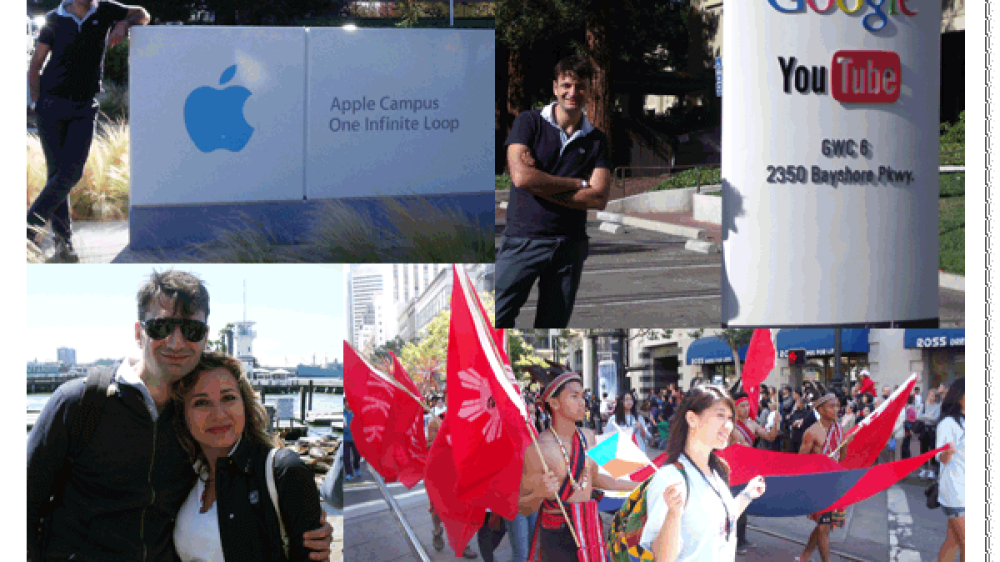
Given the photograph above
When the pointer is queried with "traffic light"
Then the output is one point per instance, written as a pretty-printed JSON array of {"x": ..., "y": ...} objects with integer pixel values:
[{"x": 796, "y": 357}]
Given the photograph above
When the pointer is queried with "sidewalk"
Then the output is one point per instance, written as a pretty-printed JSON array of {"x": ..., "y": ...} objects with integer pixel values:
[
  {"x": 107, "y": 242},
  {"x": 665, "y": 223},
  {"x": 374, "y": 533}
]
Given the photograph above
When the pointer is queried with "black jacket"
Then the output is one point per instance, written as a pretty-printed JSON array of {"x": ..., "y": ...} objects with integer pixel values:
[
  {"x": 248, "y": 524},
  {"x": 121, "y": 494}
]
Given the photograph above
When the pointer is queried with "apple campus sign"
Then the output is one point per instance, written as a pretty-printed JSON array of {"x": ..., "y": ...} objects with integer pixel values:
[
  {"x": 830, "y": 156},
  {"x": 242, "y": 119},
  {"x": 214, "y": 118}
]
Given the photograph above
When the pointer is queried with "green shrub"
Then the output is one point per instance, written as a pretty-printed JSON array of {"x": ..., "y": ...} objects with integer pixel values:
[
  {"x": 953, "y": 142},
  {"x": 690, "y": 178},
  {"x": 502, "y": 182},
  {"x": 116, "y": 64},
  {"x": 114, "y": 102},
  {"x": 952, "y": 185},
  {"x": 952, "y": 235}
]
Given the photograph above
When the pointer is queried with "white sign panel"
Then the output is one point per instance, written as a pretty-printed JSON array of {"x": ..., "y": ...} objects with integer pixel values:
[
  {"x": 216, "y": 114},
  {"x": 399, "y": 112},
  {"x": 830, "y": 149},
  {"x": 285, "y": 408},
  {"x": 239, "y": 115}
]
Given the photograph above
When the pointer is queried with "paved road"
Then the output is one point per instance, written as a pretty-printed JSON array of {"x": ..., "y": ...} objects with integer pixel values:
[
  {"x": 372, "y": 532},
  {"x": 643, "y": 279}
]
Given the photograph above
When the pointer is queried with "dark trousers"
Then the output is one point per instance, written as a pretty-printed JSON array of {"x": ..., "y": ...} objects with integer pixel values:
[
  {"x": 556, "y": 263},
  {"x": 66, "y": 130},
  {"x": 352, "y": 460},
  {"x": 489, "y": 535},
  {"x": 741, "y": 529}
]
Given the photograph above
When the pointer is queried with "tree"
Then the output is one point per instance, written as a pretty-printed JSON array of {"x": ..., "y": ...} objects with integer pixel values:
[
  {"x": 736, "y": 338},
  {"x": 637, "y": 38},
  {"x": 220, "y": 344},
  {"x": 381, "y": 353}
]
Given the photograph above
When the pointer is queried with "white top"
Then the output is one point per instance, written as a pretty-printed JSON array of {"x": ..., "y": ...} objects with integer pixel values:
[
  {"x": 951, "y": 490},
  {"x": 703, "y": 524},
  {"x": 630, "y": 422},
  {"x": 196, "y": 535},
  {"x": 771, "y": 418}
]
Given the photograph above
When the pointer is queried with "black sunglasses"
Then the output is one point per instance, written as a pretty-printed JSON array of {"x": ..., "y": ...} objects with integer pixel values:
[{"x": 160, "y": 328}]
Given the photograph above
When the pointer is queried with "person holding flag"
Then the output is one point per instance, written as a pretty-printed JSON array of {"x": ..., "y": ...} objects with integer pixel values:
[
  {"x": 824, "y": 437},
  {"x": 745, "y": 430},
  {"x": 558, "y": 479},
  {"x": 691, "y": 512}
]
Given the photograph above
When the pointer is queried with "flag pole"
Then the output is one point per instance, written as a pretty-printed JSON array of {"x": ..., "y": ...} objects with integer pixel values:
[
  {"x": 545, "y": 466},
  {"x": 482, "y": 324}
]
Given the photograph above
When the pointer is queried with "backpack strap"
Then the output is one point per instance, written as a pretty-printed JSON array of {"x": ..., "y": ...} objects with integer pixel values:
[{"x": 88, "y": 415}]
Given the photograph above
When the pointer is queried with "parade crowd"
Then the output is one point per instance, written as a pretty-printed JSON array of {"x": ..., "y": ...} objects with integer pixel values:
[{"x": 806, "y": 419}]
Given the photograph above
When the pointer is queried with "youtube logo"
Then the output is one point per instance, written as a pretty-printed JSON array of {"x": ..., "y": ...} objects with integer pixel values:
[{"x": 866, "y": 76}]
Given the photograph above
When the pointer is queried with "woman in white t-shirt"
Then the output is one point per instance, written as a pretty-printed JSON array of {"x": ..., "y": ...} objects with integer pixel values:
[
  {"x": 951, "y": 489},
  {"x": 626, "y": 416},
  {"x": 701, "y": 527}
]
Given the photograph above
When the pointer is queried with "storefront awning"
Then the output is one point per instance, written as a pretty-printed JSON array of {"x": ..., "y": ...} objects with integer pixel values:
[
  {"x": 819, "y": 343},
  {"x": 711, "y": 351},
  {"x": 934, "y": 338}
]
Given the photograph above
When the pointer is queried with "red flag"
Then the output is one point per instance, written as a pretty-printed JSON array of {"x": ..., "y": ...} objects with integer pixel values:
[
  {"x": 387, "y": 442},
  {"x": 461, "y": 520},
  {"x": 758, "y": 365},
  {"x": 486, "y": 410},
  {"x": 408, "y": 419},
  {"x": 872, "y": 434}
]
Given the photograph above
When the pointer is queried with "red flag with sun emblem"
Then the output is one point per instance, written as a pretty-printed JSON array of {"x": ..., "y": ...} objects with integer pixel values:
[
  {"x": 486, "y": 412},
  {"x": 387, "y": 442}
]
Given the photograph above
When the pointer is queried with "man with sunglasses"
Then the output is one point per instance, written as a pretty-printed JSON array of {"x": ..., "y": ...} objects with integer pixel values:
[{"x": 113, "y": 490}]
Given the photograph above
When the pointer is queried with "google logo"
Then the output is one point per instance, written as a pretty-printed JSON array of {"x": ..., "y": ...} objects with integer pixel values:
[{"x": 875, "y": 20}]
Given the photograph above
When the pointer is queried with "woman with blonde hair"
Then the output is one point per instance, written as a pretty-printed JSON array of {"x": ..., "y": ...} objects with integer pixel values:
[
  {"x": 229, "y": 514},
  {"x": 691, "y": 514}
]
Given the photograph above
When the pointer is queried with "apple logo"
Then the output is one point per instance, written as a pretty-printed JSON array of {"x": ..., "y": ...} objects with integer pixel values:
[{"x": 214, "y": 118}]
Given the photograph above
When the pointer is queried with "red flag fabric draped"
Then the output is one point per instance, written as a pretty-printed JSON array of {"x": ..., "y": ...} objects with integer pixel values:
[
  {"x": 803, "y": 484},
  {"x": 484, "y": 423},
  {"x": 461, "y": 520},
  {"x": 486, "y": 410},
  {"x": 388, "y": 443},
  {"x": 758, "y": 365},
  {"x": 872, "y": 434},
  {"x": 408, "y": 420}
]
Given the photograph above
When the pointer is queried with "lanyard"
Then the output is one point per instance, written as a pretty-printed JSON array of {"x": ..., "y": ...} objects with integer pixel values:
[{"x": 729, "y": 526}]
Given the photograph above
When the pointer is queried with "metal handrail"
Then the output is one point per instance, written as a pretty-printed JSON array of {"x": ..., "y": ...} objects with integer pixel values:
[{"x": 619, "y": 173}]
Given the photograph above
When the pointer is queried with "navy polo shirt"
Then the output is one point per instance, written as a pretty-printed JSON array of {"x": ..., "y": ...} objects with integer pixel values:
[
  {"x": 76, "y": 59},
  {"x": 577, "y": 157}
]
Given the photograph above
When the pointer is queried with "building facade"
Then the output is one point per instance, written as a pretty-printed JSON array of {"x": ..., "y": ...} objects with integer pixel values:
[{"x": 66, "y": 355}]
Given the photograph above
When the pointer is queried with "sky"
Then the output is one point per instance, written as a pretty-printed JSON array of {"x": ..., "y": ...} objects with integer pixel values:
[{"x": 299, "y": 309}]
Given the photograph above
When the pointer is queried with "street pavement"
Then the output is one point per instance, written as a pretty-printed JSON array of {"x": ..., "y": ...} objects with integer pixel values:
[
  {"x": 644, "y": 279},
  {"x": 372, "y": 532},
  {"x": 892, "y": 526}
]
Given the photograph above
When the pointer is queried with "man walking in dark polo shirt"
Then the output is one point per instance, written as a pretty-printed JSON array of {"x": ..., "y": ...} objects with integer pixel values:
[
  {"x": 63, "y": 94},
  {"x": 560, "y": 168}
]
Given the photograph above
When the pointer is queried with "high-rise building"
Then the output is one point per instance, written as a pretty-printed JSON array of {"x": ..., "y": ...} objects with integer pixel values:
[
  {"x": 66, "y": 356},
  {"x": 363, "y": 283}
]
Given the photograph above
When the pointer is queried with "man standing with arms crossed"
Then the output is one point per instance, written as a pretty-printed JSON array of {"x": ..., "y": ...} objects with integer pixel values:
[
  {"x": 560, "y": 167},
  {"x": 63, "y": 97},
  {"x": 117, "y": 490}
]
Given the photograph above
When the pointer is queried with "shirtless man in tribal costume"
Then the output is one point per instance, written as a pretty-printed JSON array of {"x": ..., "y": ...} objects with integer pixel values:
[
  {"x": 823, "y": 438},
  {"x": 563, "y": 447}
]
